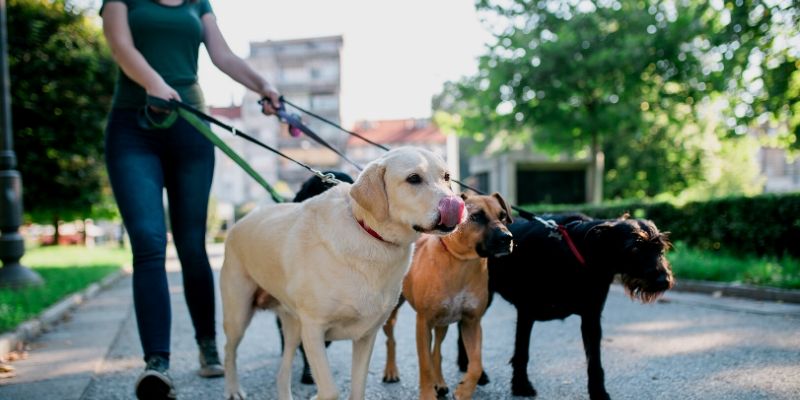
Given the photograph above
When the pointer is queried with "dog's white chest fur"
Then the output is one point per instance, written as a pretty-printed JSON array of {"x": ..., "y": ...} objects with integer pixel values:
[{"x": 453, "y": 308}]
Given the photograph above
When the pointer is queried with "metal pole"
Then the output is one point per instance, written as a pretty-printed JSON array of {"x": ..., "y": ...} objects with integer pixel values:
[{"x": 12, "y": 245}]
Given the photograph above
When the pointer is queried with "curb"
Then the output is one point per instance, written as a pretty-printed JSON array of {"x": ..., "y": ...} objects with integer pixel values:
[
  {"x": 739, "y": 290},
  {"x": 34, "y": 327}
]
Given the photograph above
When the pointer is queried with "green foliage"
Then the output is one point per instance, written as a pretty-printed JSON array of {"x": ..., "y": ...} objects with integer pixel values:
[
  {"x": 753, "y": 56},
  {"x": 765, "y": 225},
  {"x": 689, "y": 263},
  {"x": 62, "y": 77},
  {"x": 65, "y": 270},
  {"x": 644, "y": 79}
]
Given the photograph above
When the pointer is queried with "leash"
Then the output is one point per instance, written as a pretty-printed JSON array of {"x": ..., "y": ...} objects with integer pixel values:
[
  {"x": 522, "y": 213},
  {"x": 195, "y": 117},
  {"x": 296, "y": 126}
]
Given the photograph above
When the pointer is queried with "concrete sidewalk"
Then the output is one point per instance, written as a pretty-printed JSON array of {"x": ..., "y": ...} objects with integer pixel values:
[
  {"x": 97, "y": 339},
  {"x": 708, "y": 348}
]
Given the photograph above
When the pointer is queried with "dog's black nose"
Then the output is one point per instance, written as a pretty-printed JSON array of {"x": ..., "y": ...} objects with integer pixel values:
[
  {"x": 501, "y": 243},
  {"x": 504, "y": 237},
  {"x": 662, "y": 282}
]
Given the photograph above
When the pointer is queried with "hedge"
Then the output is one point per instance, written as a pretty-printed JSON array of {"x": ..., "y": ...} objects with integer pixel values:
[{"x": 762, "y": 225}]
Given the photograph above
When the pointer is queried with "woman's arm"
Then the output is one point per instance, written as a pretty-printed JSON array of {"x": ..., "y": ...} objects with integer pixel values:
[
  {"x": 118, "y": 36},
  {"x": 229, "y": 63}
]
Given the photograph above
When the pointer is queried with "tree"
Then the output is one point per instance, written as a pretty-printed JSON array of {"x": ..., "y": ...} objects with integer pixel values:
[
  {"x": 62, "y": 78},
  {"x": 755, "y": 48},
  {"x": 626, "y": 79}
]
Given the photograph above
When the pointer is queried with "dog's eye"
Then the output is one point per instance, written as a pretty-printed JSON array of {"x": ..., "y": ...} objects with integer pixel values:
[
  {"x": 447, "y": 177},
  {"x": 414, "y": 179},
  {"x": 478, "y": 217},
  {"x": 502, "y": 215}
]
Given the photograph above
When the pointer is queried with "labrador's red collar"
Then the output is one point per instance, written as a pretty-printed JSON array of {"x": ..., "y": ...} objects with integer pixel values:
[{"x": 372, "y": 233}]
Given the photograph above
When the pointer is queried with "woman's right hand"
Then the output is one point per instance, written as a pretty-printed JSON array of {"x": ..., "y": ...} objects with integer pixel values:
[{"x": 162, "y": 91}]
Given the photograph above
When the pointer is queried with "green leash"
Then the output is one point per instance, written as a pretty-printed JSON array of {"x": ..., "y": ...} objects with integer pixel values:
[{"x": 150, "y": 120}]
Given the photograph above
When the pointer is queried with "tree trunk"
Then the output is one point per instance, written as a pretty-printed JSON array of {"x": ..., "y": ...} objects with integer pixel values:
[
  {"x": 597, "y": 170},
  {"x": 121, "y": 240},
  {"x": 56, "y": 235}
]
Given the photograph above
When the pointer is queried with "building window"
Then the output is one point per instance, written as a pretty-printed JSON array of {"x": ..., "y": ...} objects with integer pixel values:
[
  {"x": 324, "y": 101},
  {"x": 294, "y": 75},
  {"x": 551, "y": 186}
]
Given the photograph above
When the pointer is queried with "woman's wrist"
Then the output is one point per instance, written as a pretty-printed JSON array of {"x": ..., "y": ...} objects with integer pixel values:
[{"x": 265, "y": 88}]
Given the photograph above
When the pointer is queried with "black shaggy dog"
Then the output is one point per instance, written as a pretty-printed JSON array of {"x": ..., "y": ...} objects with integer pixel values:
[
  {"x": 310, "y": 188},
  {"x": 545, "y": 279}
]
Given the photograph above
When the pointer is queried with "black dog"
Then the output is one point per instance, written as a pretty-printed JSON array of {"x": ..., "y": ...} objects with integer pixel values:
[
  {"x": 310, "y": 188},
  {"x": 547, "y": 278}
]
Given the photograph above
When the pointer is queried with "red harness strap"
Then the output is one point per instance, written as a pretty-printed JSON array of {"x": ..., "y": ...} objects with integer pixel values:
[{"x": 571, "y": 244}]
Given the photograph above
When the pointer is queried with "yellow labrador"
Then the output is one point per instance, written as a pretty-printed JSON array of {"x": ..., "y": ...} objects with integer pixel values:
[{"x": 332, "y": 267}]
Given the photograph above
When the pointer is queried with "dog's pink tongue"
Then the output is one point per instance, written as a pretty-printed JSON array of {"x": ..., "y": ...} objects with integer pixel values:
[{"x": 451, "y": 210}]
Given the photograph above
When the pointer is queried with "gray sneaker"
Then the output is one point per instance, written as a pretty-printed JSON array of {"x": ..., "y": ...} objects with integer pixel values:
[
  {"x": 210, "y": 366},
  {"x": 155, "y": 383}
]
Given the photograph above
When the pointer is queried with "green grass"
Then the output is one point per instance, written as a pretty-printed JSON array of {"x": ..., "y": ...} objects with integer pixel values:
[
  {"x": 65, "y": 271},
  {"x": 691, "y": 263}
]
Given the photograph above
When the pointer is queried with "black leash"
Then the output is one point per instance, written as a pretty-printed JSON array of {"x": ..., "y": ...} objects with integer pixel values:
[
  {"x": 293, "y": 120},
  {"x": 335, "y": 125},
  {"x": 175, "y": 107},
  {"x": 522, "y": 213}
]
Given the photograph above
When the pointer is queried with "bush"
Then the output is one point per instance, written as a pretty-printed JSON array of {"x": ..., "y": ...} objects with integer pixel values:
[{"x": 765, "y": 225}]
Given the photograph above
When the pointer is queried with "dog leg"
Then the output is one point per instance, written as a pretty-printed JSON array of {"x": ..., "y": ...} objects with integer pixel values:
[
  {"x": 237, "y": 310},
  {"x": 426, "y": 389},
  {"x": 520, "y": 384},
  {"x": 291, "y": 339},
  {"x": 471, "y": 332},
  {"x": 306, "y": 378},
  {"x": 592, "y": 334},
  {"x": 462, "y": 352},
  {"x": 391, "y": 374},
  {"x": 362, "y": 351},
  {"x": 313, "y": 336},
  {"x": 463, "y": 361},
  {"x": 439, "y": 384}
]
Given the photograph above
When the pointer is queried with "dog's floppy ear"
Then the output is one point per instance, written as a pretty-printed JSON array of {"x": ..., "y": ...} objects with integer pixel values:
[
  {"x": 369, "y": 191},
  {"x": 508, "y": 219}
]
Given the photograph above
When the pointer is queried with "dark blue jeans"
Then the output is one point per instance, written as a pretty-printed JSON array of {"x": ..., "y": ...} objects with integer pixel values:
[{"x": 141, "y": 164}]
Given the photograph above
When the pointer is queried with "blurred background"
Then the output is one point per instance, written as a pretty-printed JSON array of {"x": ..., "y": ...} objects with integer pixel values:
[{"x": 685, "y": 112}]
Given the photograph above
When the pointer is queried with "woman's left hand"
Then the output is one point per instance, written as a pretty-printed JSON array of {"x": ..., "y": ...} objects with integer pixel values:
[{"x": 271, "y": 102}]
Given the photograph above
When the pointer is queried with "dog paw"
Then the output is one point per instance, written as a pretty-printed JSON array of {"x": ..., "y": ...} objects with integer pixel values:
[
  {"x": 306, "y": 378},
  {"x": 522, "y": 388},
  {"x": 441, "y": 391},
  {"x": 599, "y": 395},
  {"x": 463, "y": 393},
  {"x": 235, "y": 394},
  {"x": 391, "y": 375},
  {"x": 484, "y": 379}
]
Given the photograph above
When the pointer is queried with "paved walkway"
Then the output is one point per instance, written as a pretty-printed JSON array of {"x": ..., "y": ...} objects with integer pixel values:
[{"x": 685, "y": 347}]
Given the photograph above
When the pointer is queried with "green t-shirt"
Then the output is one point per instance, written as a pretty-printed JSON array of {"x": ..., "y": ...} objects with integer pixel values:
[{"x": 169, "y": 38}]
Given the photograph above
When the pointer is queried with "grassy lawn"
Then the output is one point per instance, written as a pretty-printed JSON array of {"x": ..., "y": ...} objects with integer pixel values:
[
  {"x": 717, "y": 266},
  {"x": 65, "y": 269}
]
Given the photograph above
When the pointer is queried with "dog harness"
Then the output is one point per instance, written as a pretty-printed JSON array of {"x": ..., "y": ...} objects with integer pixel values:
[{"x": 560, "y": 232}]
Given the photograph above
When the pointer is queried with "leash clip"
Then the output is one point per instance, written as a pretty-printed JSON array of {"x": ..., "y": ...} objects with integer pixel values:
[
  {"x": 548, "y": 223},
  {"x": 327, "y": 178}
]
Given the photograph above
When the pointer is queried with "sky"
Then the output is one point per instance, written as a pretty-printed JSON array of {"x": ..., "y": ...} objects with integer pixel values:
[{"x": 396, "y": 54}]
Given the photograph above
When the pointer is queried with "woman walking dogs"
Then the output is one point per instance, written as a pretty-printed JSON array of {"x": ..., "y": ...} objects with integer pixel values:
[{"x": 155, "y": 43}]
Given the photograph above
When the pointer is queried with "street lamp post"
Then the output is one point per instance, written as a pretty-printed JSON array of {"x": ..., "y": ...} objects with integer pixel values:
[{"x": 12, "y": 245}]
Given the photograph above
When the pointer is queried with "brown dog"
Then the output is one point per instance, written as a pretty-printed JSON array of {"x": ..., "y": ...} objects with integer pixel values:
[{"x": 448, "y": 283}]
